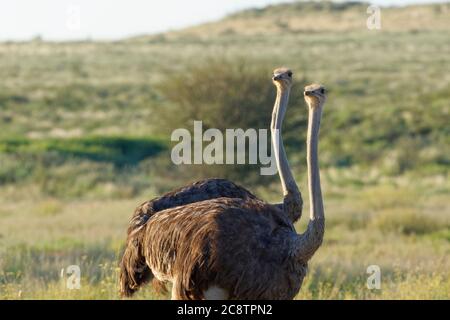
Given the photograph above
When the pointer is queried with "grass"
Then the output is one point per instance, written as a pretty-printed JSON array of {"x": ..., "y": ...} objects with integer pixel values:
[
  {"x": 86, "y": 137},
  {"x": 91, "y": 233},
  {"x": 406, "y": 221}
]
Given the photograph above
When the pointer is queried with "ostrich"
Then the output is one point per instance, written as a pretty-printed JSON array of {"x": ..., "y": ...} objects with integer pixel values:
[
  {"x": 237, "y": 248},
  {"x": 134, "y": 269}
]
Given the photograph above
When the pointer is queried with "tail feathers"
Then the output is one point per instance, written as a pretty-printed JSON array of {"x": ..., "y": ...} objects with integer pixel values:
[{"x": 134, "y": 272}]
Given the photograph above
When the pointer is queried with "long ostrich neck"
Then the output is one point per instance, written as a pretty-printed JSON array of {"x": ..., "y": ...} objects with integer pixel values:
[
  {"x": 291, "y": 193},
  {"x": 307, "y": 243},
  {"x": 315, "y": 191}
]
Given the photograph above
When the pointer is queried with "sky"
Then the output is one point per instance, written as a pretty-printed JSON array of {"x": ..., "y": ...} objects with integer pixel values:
[{"x": 116, "y": 19}]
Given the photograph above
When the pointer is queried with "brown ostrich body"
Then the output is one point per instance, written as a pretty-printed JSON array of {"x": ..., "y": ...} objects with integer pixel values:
[
  {"x": 242, "y": 246},
  {"x": 134, "y": 269}
]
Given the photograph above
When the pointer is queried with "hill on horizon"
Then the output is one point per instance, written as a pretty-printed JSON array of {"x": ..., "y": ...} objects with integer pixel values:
[{"x": 313, "y": 17}]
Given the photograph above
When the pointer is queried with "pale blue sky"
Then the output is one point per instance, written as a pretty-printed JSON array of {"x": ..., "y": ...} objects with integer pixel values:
[{"x": 115, "y": 19}]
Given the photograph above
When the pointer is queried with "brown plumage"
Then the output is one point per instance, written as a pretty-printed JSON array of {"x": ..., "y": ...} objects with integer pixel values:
[
  {"x": 214, "y": 239},
  {"x": 230, "y": 243},
  {"x": 134, "y": 270}
]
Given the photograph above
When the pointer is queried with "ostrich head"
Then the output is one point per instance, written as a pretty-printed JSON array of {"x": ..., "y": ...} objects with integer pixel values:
[
  {"x": 282, "y": 77},
  {"x": 315, "y": 95}
]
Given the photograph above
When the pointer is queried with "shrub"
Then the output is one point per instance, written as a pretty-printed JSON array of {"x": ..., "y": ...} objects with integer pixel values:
[{"x": 223, "y": 94}]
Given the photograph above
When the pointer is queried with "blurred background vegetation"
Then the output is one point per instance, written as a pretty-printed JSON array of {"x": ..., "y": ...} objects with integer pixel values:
[{"x": 85, "y": 137}]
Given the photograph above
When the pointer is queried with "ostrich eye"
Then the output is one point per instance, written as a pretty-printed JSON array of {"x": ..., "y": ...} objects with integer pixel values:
[
  {"x": 290, "y": 74},
  {"x": 322, "y": 91}
]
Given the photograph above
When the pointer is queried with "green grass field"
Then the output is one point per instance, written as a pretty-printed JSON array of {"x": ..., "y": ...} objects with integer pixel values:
[{"x": 85, "y": 138}]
